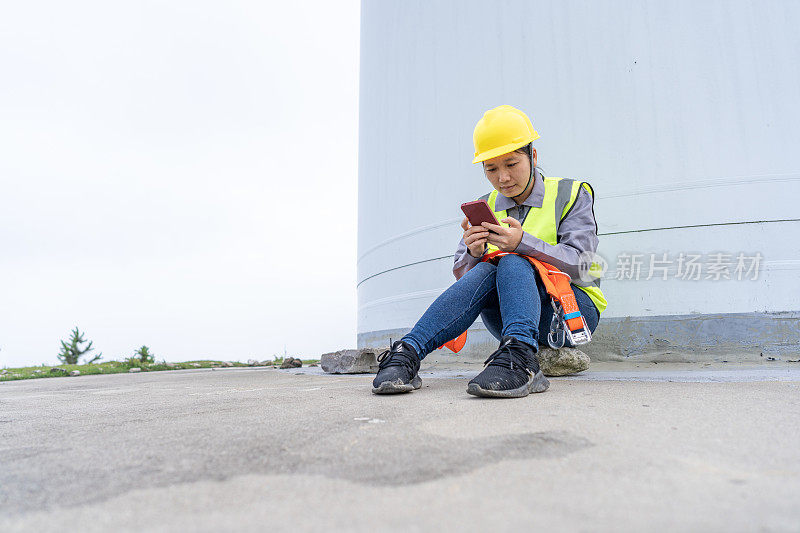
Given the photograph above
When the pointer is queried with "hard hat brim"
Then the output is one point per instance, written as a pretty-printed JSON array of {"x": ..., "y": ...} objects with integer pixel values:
[{"x": 500, "y": 150}]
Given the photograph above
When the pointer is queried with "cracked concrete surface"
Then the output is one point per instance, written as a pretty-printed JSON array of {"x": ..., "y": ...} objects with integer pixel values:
[{"x": 617, "y": 448}]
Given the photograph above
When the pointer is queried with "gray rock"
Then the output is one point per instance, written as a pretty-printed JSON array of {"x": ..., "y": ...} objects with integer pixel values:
[
  {"x": 288, "y": 363},
  {"x": 4, "y": 372},
  {"x": 59, "y": 371},
  {"x": 360, "y": 361},
  {"x": 252, "y": 362},
  {"x": 196, "y": 365},
  {"x": 135, "y": 369},
  {"x": 562, "y": 362},
  {"x": 75, "y": 373},
  {"x": 227, "y": 364}
]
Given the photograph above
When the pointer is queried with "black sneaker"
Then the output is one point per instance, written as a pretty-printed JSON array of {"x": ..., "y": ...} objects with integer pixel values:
[
  {"x": 512, "y": 371},
  {"x": 399, "y": 367}
]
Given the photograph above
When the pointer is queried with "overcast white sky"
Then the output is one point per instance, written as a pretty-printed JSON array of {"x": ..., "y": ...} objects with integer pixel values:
[{"x": 178, "y": 174}]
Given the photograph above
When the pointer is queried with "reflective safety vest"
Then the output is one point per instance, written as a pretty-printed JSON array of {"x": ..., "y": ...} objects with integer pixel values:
[{"x": 542, "y": 222}]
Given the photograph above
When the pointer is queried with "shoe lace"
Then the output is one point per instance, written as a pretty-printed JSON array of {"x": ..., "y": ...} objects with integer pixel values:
[
  {"x": 506, "y": 357},
  {"x": 396, "y": 357}
]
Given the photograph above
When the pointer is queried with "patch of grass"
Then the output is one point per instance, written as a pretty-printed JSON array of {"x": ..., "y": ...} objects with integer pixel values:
[{"x": 117, "y": 367}]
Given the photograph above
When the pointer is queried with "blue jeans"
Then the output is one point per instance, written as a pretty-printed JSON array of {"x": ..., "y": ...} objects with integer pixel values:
[{"x": 509, "y": 297}]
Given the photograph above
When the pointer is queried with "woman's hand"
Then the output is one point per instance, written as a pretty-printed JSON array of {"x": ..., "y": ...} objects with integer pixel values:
[
  {"x": 475, "y": 237},
  {"x": 507, "y": 239}
]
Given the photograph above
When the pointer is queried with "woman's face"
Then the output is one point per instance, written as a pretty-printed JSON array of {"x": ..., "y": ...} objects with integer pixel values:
[{"x": 509, "y": 173}]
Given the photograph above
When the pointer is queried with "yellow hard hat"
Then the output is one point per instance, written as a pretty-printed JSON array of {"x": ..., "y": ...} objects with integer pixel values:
[{"x": 500, "y": 131}]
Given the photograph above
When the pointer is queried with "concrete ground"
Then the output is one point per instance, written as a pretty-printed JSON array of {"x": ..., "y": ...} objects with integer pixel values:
[{"x": 620, "y": 447}]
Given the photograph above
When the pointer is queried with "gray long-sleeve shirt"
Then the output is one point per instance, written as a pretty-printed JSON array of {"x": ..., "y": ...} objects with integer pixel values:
[{"x": 577, "y": 233}]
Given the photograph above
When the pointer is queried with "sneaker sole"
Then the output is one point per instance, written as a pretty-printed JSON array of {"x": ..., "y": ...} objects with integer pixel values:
[
  {"x": 537, "y": 383},
  {"x": 391, "y": 387}
]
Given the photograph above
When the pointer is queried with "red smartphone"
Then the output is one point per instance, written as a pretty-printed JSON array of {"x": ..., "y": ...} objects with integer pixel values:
[{"x": 479, "y": 211}]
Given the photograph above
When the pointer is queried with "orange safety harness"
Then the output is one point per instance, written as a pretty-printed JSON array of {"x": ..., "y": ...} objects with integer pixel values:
[{"x": 567, "y": 323}]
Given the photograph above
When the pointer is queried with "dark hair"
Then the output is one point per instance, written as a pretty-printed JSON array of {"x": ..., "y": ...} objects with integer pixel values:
[{"x": 524, "y": 150}]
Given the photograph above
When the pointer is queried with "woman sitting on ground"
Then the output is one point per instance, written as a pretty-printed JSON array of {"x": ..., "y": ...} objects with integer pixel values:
[{"x": 549, "y": 219}]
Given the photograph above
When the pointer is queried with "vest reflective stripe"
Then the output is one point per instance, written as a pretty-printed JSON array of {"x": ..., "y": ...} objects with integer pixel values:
[{"x": 542, "y": 222}]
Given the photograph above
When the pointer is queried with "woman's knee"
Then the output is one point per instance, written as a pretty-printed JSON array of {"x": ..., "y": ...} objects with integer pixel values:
[
  {"x": 517, "y": 268},
  {"x": 481, "y": 270},
  {"x": 512, "y": 260}
]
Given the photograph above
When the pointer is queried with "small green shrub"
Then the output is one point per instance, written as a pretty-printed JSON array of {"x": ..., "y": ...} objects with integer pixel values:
[
  {"x": 145, "y": 356},
  {"x": 70, "y": 353}
]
